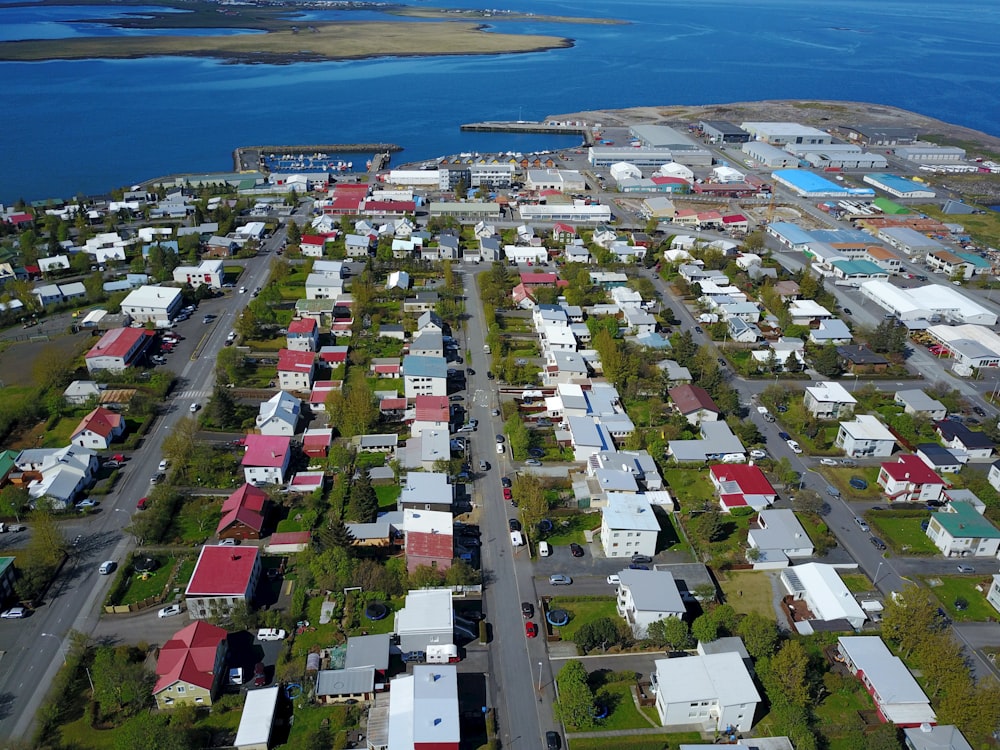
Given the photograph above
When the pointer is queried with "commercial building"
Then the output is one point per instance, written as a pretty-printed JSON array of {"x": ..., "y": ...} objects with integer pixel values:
[
  {"x": 931, "y": 302},
  {"x": 898, "y": 186},
  {"x": 809, "y": 185},
  {"x": 153, "y": 304},
  {"x": 909, "y": 241},
  {"x": 930, "y": 154},
  {"x": 423, "y": 710},
  {"x": 972, "y": 346},
  {"x": 723, "y": 131},
  {"x": 780, "y": 133},
  {"x": 770, "y": 156},
  {"x": 257, "y": 719}
]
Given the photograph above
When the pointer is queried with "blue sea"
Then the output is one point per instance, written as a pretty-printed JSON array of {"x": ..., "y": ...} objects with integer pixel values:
[{"x": 87, "y": 126}]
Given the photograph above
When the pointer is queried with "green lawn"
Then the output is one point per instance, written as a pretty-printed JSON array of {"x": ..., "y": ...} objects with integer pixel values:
[
  {"x": 197, "y": 520},
  {"x": 902, "y": 534},
  {"x": 637, "y": 742},
  {"x": 308, "y": 719},
  {"x": 840, "y": 478},
  {"x": 748, "y": 591},
  {"x": 856, "y": 582},
  {"x": 388, "y": 495},
  {"x": 570, "y": 528},
  {"x": 139, "y": 589},
  {"x": 951, "y": 588},
  {"x": 582, "y": 612},
  {"x": 624, "y": 715},
  {"x": 690, "y": 487},
  {"x": 837, "y": 714}
]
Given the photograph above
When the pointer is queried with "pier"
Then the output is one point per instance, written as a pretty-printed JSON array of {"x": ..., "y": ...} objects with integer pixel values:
[
  {"x": 521, "y": 126},
  {"x": 253, "y": 158}
]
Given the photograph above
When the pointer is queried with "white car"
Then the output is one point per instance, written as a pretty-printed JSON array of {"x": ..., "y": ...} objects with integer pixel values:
[
  {"x": 14, "y": 613},
  {"x": 243, "y": 290},
  {"x": 758, "y": 454},
  {"x": 500, "y": 448},
  {"x": 194, "y": 408},
  {"x": 169, "y": 611},
  {"x": 270, "y": 634},
  {"x": 163, "y": 465},
  {"x": 794, "y": 446},
  {"x": 614, "y": 580},
  {"x": 828, "y": 462}
]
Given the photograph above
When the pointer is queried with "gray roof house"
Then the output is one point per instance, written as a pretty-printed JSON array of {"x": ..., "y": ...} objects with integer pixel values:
[
  {"x": 915, "y": 401},
  {"x": 645, "y": 596}
]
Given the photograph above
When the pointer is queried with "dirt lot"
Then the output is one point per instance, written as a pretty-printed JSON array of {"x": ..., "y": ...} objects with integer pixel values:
[{"x": 17, "y": 362}]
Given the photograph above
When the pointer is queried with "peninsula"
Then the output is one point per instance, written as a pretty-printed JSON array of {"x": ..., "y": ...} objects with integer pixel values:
[{"x": 278, "y": 35}]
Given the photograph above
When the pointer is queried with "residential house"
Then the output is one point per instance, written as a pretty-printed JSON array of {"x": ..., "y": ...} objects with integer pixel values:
[
  {"x": 717, "y": 441},
  {"x": 430, "y": 413},
  {"x": 898, "y": 698},
  {"x": 423, "y": 711},
  {"x": 279, "y": 415},
  {"x": 376, "y": 443},
  {"x": 865, "y": 436},
  {"x": 243, "y": 514},
  {"x": 321, "y": 286},
  {"x": 959, "y": 530},
  {"x": 153, "y": 304},
  {"x": 831, "y": 331},
  {"x": 777, "y": 536},
  {"x": 223, "y": 576},
  {"x": 98, "y": 429},
  {"x": 741, "y": 486},
  {"x": 940, "y": 459},
  {"x": 429, "y": 539},
  {"x": 742, "y": 332},
  {"x": 957, "y": 436},
  {"x": 828, "y": 400},
  {"x": 628, "y": 526},
  {"x": 425, "y": 376},
  {"x": 430, "y": 321},
  {"x": 939, "y": 737},
  {"x": 208, "y": 273},
  {"x": 694, "y": 403},
  {"x": 266, "y": 459},
  {"x": 426, "y": 490},
  {"x": 190, "y": 666},
  {"x": 994, "y": 475},
  {"x": 80, "y": 392},
  {"x": 673, "y": 373},
  {"x": 303, "y": 335},
  {"x": 645, "y": 596},
  {"x": 426, "y": 619},
  {"x": 915, "y": 401},
  {"x": 714, "y": 691},
  {"x": 806, "y": 311},
  {"x": 357, "y": 246},
  {"x": 993, "y": 595},
  {"x": 825, "y": 597},
  {"x": 296, "y": 370},
  {"x": 427, "y": 343},
  {"x": 58, "y": 474},
  {"x": 421, "y": 302},
  {"x": 860, "y": 360},
  {"x": 909, "y": 480}
]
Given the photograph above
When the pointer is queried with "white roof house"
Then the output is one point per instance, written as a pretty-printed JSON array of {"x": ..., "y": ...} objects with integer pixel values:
[
  {"x": 257, "y": 719},
  {"x": 427, "y": 618},
  {"x": 779, "y": 536},
  {"x": 423, "y": 708},
  {"x": 152, "y": 303},
  {"x": 898, "y": 697},
  {"x": 714, "y": 691},
  {"x": 628, "y": 526},
  {"x": 279, "y": 414},
  {"x": 426, "y": 490},
  {"x": 829, "y": 400},
  {"x": 645, "y": 596},
  {"x": 940, "y": 737},
  {"x": 804, "y": 311},
  {"x": 824, "y": 593},
  {"x": 865, "y": 436}
]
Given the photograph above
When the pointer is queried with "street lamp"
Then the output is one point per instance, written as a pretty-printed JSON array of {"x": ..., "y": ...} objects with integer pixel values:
[
  {"x": 539, "y": 677},
  {"x": 53, "y": 635},
  {"x": 877, "y": 571}
]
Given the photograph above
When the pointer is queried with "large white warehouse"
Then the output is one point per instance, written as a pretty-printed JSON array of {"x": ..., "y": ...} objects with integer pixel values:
[{"x": 931, "y": 302}]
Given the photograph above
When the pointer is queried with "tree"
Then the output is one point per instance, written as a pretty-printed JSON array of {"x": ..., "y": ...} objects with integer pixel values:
[
  {"x": 705, "y": 628},
  {"x": 788, "y": 672},
  {"x": 826, "y": 361},
  {"x": 52, "y": 369},
  {"x": 222, "y": 409},
  {"x": 809, "y": 286},
  {"x": 518, "y": 436},
  {"x": 359, "y": 411},
  {"x": 531, "y": 500},
  {"x": 363, "y": 507},
  {"x": 336, "y": 534},
  {"x": 576, "y": 700},
  {"x": 759, "y": 634},
  {"x": 910, "y": 617},
  {"x": 425, "y": 577},
  {"x": 150, "y": 731},
  {"x": 786, "y": 474},
  {"x": 94, "y": 286},
  {"x": 47, "y": 544},
  {"x": 601, "y": 633},
  {"x": 179, "y": 443},
  {"x": 294, "y": 233},
  {"x": 461, "y": 574},
  {"x": 670, "y": 632},
  {"x": 121, "y": 682},
  {"x": 229, "y": 364},
  {"x": 14, "y": 501}
]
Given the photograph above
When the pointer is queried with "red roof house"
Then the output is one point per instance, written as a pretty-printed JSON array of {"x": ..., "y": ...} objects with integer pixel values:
[
  {"x": 909, "y": 480},
  {"x": 741, "y": 486},
  {"x": 98, "y": 429},
  {"x": 563, "y": 232},
  {"x": 316, "y": 441},
  {"x": 303, "y": 335},
  {"x": 267, "y": 458},
  {"x": 295, "y": 369},
  {"x": 539, "y": 279},
  {"x": 190, "y": 665},
  {"x": 431, "y": 408},
  {"x": 118, "y": 349},
  {"x": 223, "y": 575},
  {"x": 429, "y": 539},
  {"x": 243, "y": 514},
  {"x": 333, "y": 355}
]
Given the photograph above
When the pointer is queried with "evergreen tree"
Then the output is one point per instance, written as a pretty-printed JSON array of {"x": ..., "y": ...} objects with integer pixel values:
[{"x": 363, "y": 506}]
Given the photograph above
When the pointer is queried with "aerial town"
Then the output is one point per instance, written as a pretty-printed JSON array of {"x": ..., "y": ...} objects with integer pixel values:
[{"x": 681, "y": 437}]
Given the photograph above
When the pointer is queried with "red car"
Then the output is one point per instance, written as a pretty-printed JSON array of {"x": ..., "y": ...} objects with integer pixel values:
[
  {"x": 507, "y": 494},
  {"x": 143, "y": 503},
  {"x": 530, "y": 629}
]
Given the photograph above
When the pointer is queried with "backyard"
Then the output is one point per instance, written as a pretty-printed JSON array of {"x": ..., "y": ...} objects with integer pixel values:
[
  {"x": 901, "y": 530},
  {"x": 569, "y": 528},
  {"x": 748, "y": 591},
  {"x": 582, "y": 609},
  {"x": 691, "y": 488},
  {"x": 949, "y": 589},
  {"x": 840, "y": 477}
]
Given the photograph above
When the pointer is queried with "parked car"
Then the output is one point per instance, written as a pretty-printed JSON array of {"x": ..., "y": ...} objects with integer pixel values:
[
  {"x": 698, "y": 329},
  {"x": 484, "y": 466},
  {"x": 495, "y": 413},
  {"x": 861, "y": 524},
  {"x": 270, "y": 634},
  {"x": 552, "y": 741},
  {"x": 757, "y": 454},
  {"x": 169, "y": 611},
  {"x": 86, "y": 504},
  {"x": 966, "y": 569},
  {"x": 505, "y": 482},
  {"x": 259, "y": 675},
  {"x": 637, "y": 558},
  {"x": 559, "y": 579},
  {"x": 847, "y": 311},
  {"x": 142, "y": 504},
  {"x": 513, "y": 524},
  {"x": 828, "y": 461},
  {"x": 14, "y": 613},
  {"x": 490, "y": 375},
  {"x": 979, "y": 410},
  {"x": 508, "y": 494},
  {"x": 501, "y": 449},
  {"x": 194, "y": 407},
  {"x": 614, "y": 579},
  {"x": 877, "y": 543},
  {"x": 832, "y": 491},
  {"x": 784, "y": 436},
  {"x": 794, "y": 446},
  {"x": 530, "y": 629},
  {"x": 637, "y": 566},
  {"x": 848, "y": 462},
  {"x": 527, "y": 609},
  {"x": 107, "y": 567},
  {"x": 163, "y": 465},
  {"x": 576, "y": 550},
  {"x": 415, "y": 657},
  {"x": 532, "y": 462},
  {"x": 858, "y": 483}
]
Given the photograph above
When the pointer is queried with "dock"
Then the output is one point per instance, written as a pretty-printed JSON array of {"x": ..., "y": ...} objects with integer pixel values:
[
  {"x": 522, "y": 126},
  {"x": 252, "y": 158}
]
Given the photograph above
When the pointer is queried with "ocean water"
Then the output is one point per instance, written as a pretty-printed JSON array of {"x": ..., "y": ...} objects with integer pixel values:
[{"x": 87, "y": 126}]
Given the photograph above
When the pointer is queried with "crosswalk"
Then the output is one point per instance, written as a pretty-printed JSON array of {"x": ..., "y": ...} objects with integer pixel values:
[{"x": 190, "y": 394}]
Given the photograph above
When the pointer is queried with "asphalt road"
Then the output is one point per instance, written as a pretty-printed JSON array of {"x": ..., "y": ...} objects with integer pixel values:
[{"x": 34, "y": 648}]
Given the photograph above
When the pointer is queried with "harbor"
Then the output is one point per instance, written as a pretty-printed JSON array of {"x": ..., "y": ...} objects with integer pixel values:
[
  {"x": 552, "y": 127},
  {"x": 329, "y": 157}
]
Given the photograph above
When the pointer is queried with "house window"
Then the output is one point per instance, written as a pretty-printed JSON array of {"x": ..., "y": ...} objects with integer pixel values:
[
  {"x": 202, "y": 700},
  {"x": 181, "y": 689}
]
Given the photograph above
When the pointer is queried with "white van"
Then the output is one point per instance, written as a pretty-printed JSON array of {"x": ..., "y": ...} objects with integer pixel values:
[
  {"x": 516, "y": 539},
  {"x": 443, "y": 654},
  {"x": 544, "y": 550}
]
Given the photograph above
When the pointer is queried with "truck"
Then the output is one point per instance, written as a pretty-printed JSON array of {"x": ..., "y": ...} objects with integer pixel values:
[{"x": 443, "y": 654}]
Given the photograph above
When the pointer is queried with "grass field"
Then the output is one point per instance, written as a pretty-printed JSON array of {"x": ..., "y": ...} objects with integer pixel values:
[
  {"x": 139, "y": 589},
  {"x": 840, "y": 478},
  {"x": 837, "y": 715},
  {"x": 903, "y": 535},
  {"x": 388, "y": 495},
  {"x": 582, "y": 612},
  {"x": 570, "y": 528},
  {"x": 617, "y": 696},
  {"x": 691, "y": 488},
  {"x": 748, "y": 591},
  {"x": 856, "y": 582},
  {"x": 638, "y": 742},
  {"x": 950, "y": 588}
]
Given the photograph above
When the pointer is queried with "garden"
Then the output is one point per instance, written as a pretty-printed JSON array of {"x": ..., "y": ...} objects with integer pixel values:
[
  {"x": 583, "y": 610},
  {"x": 963, "y": 597},
  {"x": 902, "y": 530}
]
